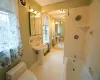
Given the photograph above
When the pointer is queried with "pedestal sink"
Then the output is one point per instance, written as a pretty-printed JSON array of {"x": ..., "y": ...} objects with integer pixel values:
[{"x": 39, "y": 49}]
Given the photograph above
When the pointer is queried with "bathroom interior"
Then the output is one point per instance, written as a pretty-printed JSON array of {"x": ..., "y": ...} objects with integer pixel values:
[{"x": 49, "y": 40}]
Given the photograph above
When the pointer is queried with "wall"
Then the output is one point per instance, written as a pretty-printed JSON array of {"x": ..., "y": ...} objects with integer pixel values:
[
  {"x": 93, "y": 41},
  {"x": 72, "y": 27},
  {"x": 29, "y": 56}
]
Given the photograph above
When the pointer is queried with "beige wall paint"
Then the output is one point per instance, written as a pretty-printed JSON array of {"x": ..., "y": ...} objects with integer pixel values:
[
  {"x": 72, "y": 46},
  {"x": 93, "y": 41},
  {"x": 29, "y": 56}
]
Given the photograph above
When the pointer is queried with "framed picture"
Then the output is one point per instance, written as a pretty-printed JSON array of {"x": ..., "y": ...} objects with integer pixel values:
[{"x": 22, "y": 2}]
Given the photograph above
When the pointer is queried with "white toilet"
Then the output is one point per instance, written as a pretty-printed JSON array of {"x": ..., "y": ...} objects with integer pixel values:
[{"x": 20, "y": 72}]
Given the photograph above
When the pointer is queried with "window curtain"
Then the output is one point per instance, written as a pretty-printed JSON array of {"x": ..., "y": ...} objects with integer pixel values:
[{"x": 10, "y": 41}]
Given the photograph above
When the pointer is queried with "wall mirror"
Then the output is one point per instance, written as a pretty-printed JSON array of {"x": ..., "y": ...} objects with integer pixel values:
[{"x": 34, "y": 24}]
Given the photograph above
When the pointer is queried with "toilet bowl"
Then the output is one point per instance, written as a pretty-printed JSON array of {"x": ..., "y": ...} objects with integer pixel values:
[{"x": 20, "y": 72}]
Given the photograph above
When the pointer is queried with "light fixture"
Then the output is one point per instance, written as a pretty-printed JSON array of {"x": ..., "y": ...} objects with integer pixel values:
[
  {"x": 62, "y": 11},
  {"x": 35, "y": 12},
  {"x": 37, "y": 16},
  {"x": 57, "y": 22},
  {"x": 62, "y": 17},
  {"x": 61, "y": 22},
  {"x": 38, "y": 13},
  {"x": 31, "y": 10}
]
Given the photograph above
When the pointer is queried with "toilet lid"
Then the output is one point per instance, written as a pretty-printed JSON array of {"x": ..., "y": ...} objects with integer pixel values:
[{"x": 27, "y": 75}]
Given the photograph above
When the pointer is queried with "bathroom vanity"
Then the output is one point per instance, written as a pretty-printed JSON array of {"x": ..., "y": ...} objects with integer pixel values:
[
  {"x": 38, "y": 47},
  {"x": 41, "y": 49}
]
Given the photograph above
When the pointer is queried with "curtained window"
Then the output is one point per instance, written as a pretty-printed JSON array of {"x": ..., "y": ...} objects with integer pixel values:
[{"x": 10, "y": 41}]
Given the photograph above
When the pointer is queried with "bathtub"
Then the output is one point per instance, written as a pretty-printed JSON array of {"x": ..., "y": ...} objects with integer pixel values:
[{"x": 76, "y": 70}]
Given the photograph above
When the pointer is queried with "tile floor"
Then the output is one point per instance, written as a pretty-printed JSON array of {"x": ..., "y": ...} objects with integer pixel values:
[
  {"x": 52, "y": 68},
  {"x": 60, "y": 45}
]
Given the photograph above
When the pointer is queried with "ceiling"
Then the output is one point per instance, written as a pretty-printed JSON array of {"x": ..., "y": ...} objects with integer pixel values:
[
  {"x": 56, "y": 14},
  {"x": 47, "y": 2},
  {"x": 52, "y": 7}
]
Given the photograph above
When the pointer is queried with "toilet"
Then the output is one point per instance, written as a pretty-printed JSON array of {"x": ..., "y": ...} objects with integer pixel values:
[{"x": 20, "y": 72}]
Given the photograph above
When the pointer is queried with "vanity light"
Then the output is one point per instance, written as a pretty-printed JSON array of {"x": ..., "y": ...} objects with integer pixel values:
[
  {"x": 61, "y": 22},
  {"x": 57, "y": 22},
  {"x": 31, "y": 10},
  {"x": 37, "y": 16},
  {"x": 38, "y": 13},
  {"x": 35, "y": 12},
  {"x": 62, "y": 11}
]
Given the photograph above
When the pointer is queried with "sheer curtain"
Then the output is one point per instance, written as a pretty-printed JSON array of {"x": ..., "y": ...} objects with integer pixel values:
[{"x": 10, "y": 41}]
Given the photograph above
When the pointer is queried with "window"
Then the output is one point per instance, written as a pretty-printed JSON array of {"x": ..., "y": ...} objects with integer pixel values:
[
  {"x": 10, "y": 41},
  {"x": 8, "y": 33},
  {"x": 45, "y": 34}
]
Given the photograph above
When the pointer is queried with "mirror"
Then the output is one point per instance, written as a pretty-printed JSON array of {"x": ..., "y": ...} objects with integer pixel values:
[{"x": 34, "y": 24}]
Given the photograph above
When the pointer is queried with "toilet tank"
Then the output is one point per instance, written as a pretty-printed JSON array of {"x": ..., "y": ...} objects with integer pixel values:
[{"x": 16, "y": 71}]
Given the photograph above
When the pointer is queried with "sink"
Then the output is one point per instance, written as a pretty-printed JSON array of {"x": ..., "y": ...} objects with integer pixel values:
[{"x": 40, "y": 48}]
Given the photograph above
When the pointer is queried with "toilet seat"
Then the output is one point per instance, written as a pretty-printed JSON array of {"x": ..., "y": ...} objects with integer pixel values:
[{"x": 27, "y": 75}]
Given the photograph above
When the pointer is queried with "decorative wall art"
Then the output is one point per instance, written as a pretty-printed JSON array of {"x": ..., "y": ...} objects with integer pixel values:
[{"x": 22, "y": 2}]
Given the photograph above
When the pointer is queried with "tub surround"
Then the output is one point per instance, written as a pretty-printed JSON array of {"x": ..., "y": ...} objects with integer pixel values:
[
  {"x": 93, "y": 41},
  {"x": 77, "y": 70},
  {"x": 88, "y": 44}
]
